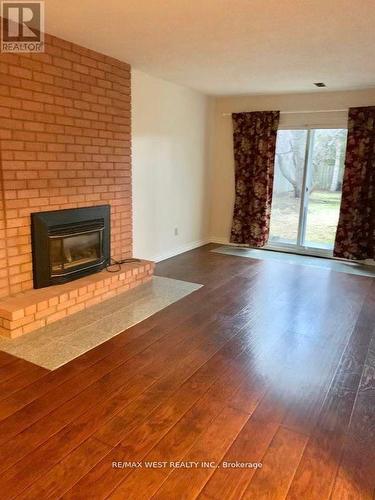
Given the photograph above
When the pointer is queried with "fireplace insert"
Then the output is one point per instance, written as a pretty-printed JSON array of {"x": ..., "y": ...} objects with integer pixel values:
[{"x": 69, "y": 244}]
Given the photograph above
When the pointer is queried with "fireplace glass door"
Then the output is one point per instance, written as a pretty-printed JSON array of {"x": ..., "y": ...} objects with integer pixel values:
[
  {"x": 73, "y": 251},
  {"x": 68, "y": 244}
]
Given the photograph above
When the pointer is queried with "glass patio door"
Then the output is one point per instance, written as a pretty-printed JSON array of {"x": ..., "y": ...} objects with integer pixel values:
[{"x": 309, "y": 167}]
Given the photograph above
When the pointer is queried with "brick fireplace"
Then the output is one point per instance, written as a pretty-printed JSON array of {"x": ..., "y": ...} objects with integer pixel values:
[{"x": 64, "y": 144}]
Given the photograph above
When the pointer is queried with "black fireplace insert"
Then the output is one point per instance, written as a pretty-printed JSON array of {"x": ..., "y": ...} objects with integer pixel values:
[{"x": 69, "y": 244}]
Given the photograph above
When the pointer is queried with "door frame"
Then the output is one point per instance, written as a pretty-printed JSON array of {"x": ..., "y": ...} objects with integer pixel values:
[{"x": 299, "y": 247}]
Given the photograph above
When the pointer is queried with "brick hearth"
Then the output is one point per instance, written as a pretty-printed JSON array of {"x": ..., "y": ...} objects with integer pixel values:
[{"x": 34, "y": 309}]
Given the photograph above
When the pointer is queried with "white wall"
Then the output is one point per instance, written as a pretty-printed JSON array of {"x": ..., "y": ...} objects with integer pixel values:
[
  {"x": 183, "y": 170},
  {"x": 222, "y": 164},
  {"x": 170, "y": 167}
]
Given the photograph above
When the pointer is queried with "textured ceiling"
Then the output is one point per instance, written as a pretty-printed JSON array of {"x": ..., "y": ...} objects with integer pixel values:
[{"x": 230, "y": 46}]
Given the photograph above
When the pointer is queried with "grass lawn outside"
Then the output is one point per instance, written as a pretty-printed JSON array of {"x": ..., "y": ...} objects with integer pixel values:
[{"x": 322, "y": 218}]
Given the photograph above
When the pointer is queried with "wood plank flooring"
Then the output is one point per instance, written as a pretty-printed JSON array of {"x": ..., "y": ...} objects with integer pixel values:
[{"x": 269, "y": 363}]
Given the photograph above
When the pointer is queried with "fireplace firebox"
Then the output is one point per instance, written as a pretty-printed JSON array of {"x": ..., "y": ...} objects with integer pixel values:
[{"x": 69, "y": 244}]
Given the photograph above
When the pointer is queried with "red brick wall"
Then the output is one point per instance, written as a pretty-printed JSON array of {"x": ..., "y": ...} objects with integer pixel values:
[
  {"x": 65, "y": 143},
  {"x": 4, "y": 283}
]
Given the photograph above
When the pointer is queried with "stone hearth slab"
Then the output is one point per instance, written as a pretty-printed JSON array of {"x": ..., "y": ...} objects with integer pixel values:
[
  {"x": 34, "y": 309},
  {"x": 64, "y": 340}
]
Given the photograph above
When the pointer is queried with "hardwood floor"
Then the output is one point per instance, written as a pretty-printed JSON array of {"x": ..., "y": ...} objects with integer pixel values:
[{"x": 268, "y": 363}]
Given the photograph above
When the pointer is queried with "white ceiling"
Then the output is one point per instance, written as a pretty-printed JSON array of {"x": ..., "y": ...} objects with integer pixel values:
[{"x": 230, "y": 46}]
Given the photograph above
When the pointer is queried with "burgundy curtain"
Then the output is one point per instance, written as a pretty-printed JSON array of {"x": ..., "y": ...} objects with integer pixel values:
[
  {"x": 254, "y": 141},
  {"x": 355, "y": 237}
]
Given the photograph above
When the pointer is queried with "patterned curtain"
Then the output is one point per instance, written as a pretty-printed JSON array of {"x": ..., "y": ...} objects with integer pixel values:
[
  {"x": 355, "y": 237},
  {"x": 254, "y": 141}
]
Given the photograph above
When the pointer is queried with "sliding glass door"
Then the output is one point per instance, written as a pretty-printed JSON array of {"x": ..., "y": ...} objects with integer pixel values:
[{"x": 309, "y": 167}]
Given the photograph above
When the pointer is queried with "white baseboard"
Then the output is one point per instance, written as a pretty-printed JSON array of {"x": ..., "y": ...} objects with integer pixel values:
[
  {"x": 190, "y": 246},
  {"x": 225, "y": 241},
  {"x": 219, "y": 240},
  {"x": 181, "y": 249}
]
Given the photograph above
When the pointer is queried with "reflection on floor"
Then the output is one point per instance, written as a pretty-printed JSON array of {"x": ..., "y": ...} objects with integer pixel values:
[
  {"x": 290, "y": 258},
  {"x": 267, "y": 363},
  {"x": 60, "y": 342}
]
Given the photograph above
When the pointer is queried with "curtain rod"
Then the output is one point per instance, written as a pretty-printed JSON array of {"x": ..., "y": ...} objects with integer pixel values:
[{"x": 302, "y": 112}]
